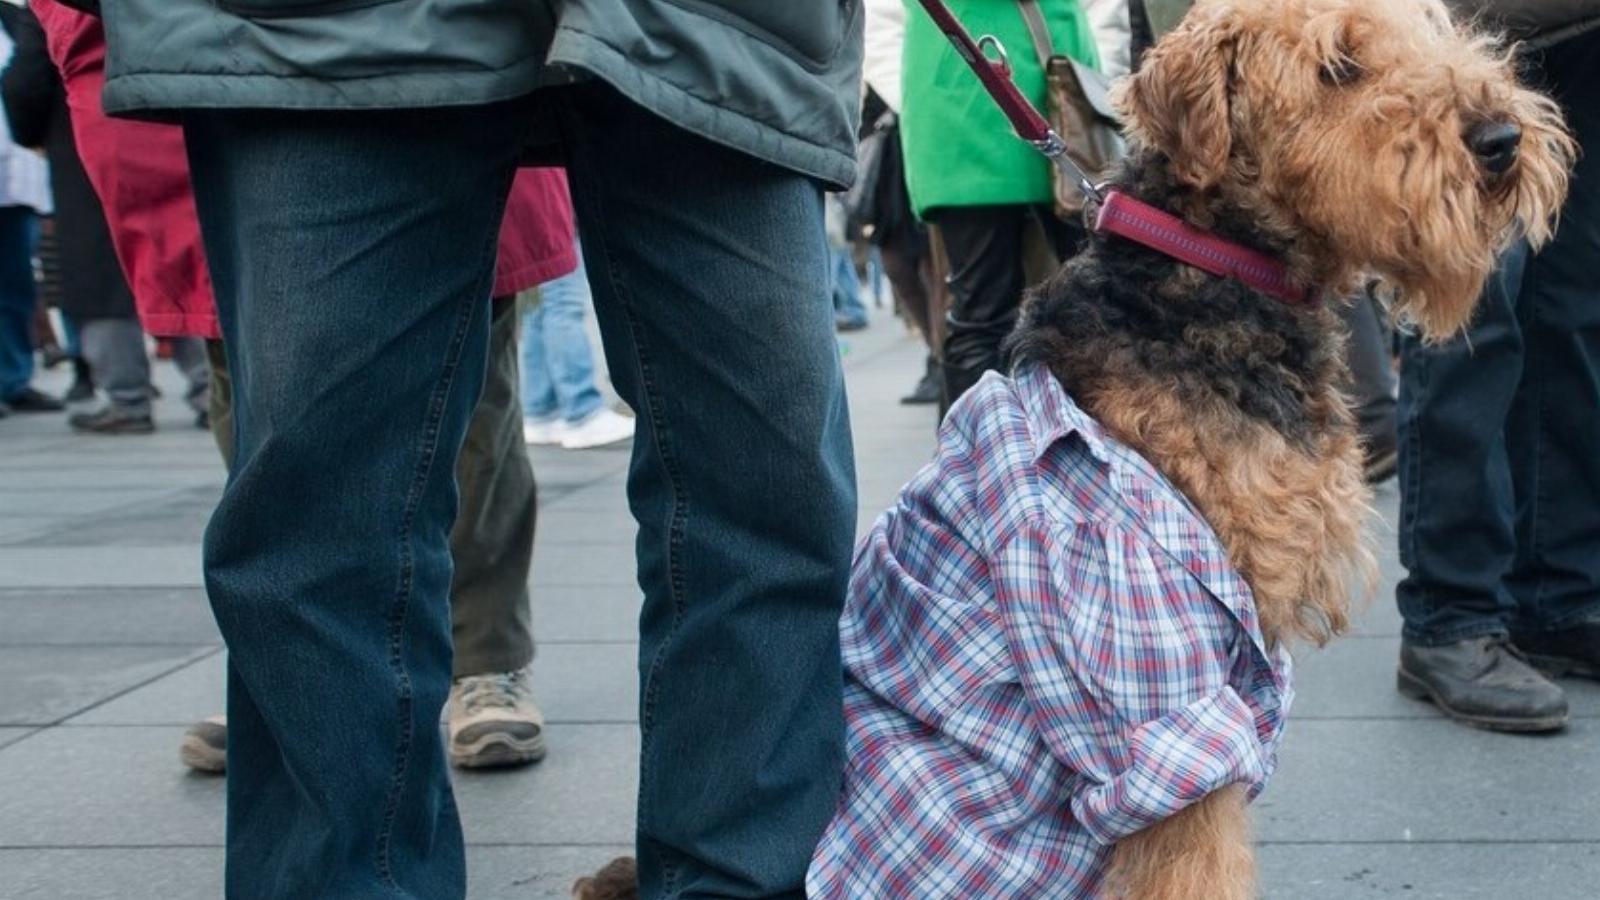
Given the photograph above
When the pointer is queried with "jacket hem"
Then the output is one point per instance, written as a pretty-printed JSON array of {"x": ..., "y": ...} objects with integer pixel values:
[{"x": 719, "y": 124}]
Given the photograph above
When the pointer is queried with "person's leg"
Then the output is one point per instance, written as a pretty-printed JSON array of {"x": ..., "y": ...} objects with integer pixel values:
[
  {"x": 1457, "y": 540},
  {"x": 18, "y": 294},
  {"x": 539, "y": 402},
  {"x": 849, "y": 313},
  {"x": 351, "y": 256},
  {"x": 1554, "y": 436},
  {"x": 710, "y": 277},
  {"x": 905, "y": 262},
  {"x": 120, "y": 365},
  {"x": 984, "y": 248},
  {"x": 568, "y": 361},
  {"x": 1372, "y": 385},
  {"x": 189, "y": 356}
]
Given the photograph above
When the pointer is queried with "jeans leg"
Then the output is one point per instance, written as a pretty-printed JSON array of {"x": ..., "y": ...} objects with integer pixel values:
[
  {"x": 1456, "y": 532},
  {"x": 538, "y": 391},
  {"x": 1372, "y": 381},
  {"x": 847, "y": 305},
  {"x": 710, "y": 277},
  {"x": 567, "y": 359},
  {"x": 1554, "y": 437},
  {"x": 115, "y": 351},
  {"x": 492, "y": 543},
  {"x": 351, "y": 257},
  {"x": 19, "y": 229}
]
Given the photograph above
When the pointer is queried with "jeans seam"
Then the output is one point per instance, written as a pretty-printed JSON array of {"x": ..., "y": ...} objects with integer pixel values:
[
  {"x": 1412, "y": 484},
  {"x": 400, "y": 611},
  {"x": 1529, "y": 295},
  {"x": 677, "y": 520}
]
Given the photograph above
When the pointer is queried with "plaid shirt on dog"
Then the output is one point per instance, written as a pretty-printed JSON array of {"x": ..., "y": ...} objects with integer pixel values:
[{"x": 1046, "y": 650}]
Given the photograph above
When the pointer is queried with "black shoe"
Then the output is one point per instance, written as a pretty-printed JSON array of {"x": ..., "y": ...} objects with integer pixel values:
[
  {"x": 29, "y": 400},
  {"x": 1482, "y": 681},
  {"x": 82, "y": 389},
  {"x": 842, "y": 324},
  {"x": 926, "y": 392},
  {"x": 1574, "y": 650},
  {"x": 112, "y": 420}
]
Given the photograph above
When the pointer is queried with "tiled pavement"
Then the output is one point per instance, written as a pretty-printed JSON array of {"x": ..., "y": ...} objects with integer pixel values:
[{"x": 107, "y": 652}]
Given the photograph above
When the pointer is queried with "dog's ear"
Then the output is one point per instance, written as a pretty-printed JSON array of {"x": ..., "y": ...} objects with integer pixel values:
[{"x": 1178, "y": 100}]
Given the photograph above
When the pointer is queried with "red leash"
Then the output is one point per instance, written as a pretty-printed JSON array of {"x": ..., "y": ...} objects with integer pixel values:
[{"x": 1119, "y": 214}]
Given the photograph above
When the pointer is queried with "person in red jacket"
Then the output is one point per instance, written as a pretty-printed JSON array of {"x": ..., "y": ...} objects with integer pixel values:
[{"x": 140, "y": 171}]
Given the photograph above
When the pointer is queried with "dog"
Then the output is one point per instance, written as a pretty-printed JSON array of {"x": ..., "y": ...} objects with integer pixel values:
[{"x": 1059, "y": 682}]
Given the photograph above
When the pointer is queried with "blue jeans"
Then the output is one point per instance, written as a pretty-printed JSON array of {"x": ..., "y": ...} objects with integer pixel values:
[
  {"x": 557, "y": 370},
  {"x": 1499, "y": 430},
  {"x": 847, "y": 305},
  {"x": 352, "y": 258},
  {"x": 19, "y": 231}
]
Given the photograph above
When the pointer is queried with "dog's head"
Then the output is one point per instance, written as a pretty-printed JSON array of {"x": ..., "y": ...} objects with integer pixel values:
[{"x": 1380, "y": 135}]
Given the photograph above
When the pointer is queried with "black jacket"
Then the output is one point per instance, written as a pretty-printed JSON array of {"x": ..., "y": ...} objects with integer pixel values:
[{"x": 92, "y": 283}]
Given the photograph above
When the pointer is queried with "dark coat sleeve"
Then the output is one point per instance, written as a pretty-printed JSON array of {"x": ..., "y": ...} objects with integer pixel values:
[
  {"x": 30, "y": 84},
  {"x": 1530, "y": 19}
]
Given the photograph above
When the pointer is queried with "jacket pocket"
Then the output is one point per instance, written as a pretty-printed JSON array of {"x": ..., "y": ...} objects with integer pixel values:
[
  {"x": 275, "y": 9},
  {"x": 808, "y": 31}
]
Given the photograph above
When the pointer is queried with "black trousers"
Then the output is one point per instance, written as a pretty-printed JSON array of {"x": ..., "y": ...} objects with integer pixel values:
[
  {"x": 1500, "y": 429},
  {"x": 986, "y": 247}
]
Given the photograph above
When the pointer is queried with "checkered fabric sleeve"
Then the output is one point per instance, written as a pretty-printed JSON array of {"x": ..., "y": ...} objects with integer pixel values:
[{"x": 1128, "y": 664}]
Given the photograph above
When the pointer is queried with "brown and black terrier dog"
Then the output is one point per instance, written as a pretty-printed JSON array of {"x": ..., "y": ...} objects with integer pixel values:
[{"x": 1351, "y": 139}]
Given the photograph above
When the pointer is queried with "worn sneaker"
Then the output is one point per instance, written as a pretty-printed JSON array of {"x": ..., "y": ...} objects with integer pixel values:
[
  {"x": 112, "y": 419},
  {"x": 205, "y": 746},
  {"x": 492, "y": 721},
  {"x": 543, "y": 432},
  {"x": 603, "y": 426}
]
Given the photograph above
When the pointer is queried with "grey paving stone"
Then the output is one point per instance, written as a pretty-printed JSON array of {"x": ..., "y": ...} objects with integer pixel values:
[
  {"x": 195, "y": 873},
  {"x": 178, "y": 518},
  {"x": 533, "y": 873},
  {"x": 1477, "y": 871},
  {"x": 11, "y": 734},
  {"x": 610, "y": 564},
  {"x": 179, "y": 699},
  {"x": 167, "y": 566},
  {"x": 1354, "y": 678},
  {"x": 112, "y": 873},
  {"x": 40, "y": 685},
  {"x": 106, "y": 616},
  {"x": 69, "y": 787},
  {"x": 1432, "y": 780},
  {"x": 21, "y": 501},
  {"x": 565, "y": 525},
  {"x": 582, "y": 793},
  {"x": 588, "y": 682},
  {"x": 586, "y": 612}
]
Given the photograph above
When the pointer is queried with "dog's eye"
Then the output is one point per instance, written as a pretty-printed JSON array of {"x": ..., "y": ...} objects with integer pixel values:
[{"x": 1341, "y": 70}]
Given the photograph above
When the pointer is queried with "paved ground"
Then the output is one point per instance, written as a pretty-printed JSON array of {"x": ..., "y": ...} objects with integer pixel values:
[{"x": 107, "y": 651}]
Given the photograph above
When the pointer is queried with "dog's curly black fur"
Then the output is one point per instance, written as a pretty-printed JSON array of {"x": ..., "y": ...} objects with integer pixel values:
[{"x": 1120, "y": 308}]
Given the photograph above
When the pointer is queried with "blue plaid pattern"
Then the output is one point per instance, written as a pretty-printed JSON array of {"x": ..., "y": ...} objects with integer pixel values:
[{"x": 1046, "y": 650}]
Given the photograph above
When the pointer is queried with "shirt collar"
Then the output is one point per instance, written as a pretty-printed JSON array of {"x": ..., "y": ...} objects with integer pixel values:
[{"x": 1051, "y": 415}]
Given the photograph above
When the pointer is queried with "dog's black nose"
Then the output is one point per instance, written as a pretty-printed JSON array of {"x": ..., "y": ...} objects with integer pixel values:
[{"x": 1495, "y": 144}]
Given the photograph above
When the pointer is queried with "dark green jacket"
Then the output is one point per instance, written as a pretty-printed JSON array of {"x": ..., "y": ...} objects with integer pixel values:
[{"x": 778, "y": 79}]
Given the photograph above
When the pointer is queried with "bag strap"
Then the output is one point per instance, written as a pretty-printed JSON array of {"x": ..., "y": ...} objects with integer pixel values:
[{"x": 1038, "y": 31}]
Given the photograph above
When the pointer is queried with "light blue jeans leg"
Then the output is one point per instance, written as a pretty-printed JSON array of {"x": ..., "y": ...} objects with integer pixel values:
[{"x": 557, "y": 366}]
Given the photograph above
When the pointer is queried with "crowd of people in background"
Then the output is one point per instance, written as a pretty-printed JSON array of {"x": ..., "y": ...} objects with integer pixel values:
[{"x": 1493, "y": 436}]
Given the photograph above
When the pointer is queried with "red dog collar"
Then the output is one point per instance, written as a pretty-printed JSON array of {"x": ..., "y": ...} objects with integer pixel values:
[{"x": 1142, "y": 223}]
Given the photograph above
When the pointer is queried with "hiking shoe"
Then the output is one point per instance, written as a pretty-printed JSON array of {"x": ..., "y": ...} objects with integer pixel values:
[
  {"x": 1573, "y": 650},
  {"x": 492, "y": 721},
  {"x": 112, "y": 419},
  {"x": 925, "y": 393},
  {"x": 205, "y": 746},
  {"x": 603, "y": 426},
  {"x": 1482, "y": 681}
]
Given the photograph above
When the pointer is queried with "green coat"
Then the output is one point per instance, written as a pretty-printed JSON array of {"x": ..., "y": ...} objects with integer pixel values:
[
  {"x": 778, "y": 80},
  {"x": 959, "y": 148}
]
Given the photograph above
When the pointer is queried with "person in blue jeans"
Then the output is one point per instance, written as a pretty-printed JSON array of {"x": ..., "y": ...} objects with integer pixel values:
[
  {"x": 560, "y": 403},
  {"x": 1500, "y": 466}
]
